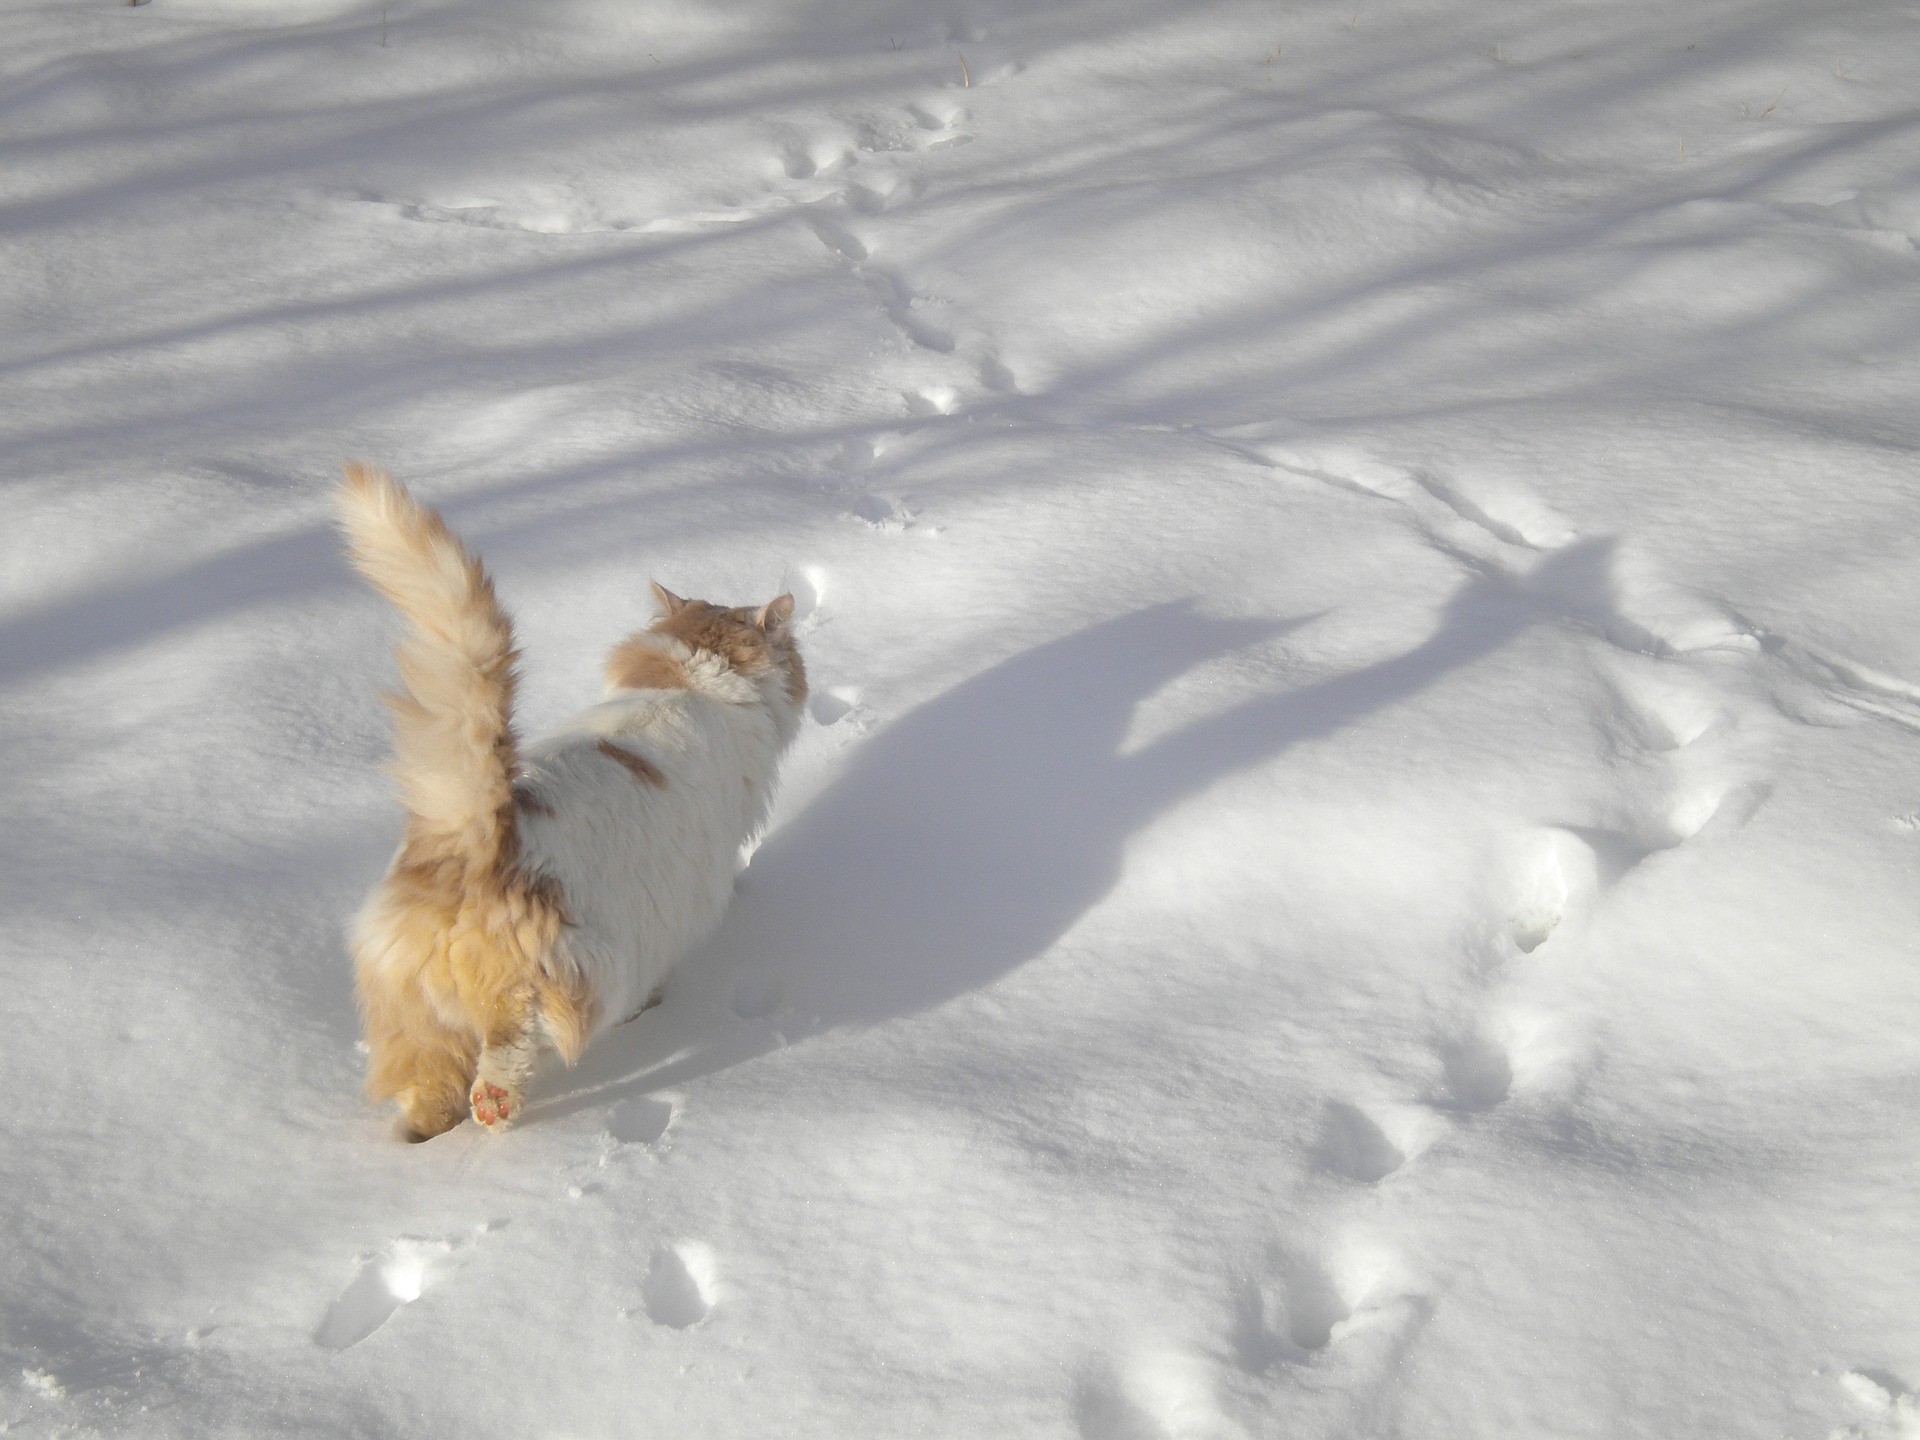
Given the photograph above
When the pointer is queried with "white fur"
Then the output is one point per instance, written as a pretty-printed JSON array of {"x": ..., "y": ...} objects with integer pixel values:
[
  {"x": 647, "y": 871},
  {"x": 544, "y": 891}
]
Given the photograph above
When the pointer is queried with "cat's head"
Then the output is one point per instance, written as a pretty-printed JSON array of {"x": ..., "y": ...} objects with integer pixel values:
[{"x": 754, "y": 641}]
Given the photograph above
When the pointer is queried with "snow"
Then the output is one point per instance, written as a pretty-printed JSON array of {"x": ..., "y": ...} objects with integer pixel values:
[{"x": 1351, "y": 872}]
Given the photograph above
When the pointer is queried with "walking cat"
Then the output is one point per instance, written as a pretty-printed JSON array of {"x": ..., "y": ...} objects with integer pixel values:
[{"x": 543, "y": 891}]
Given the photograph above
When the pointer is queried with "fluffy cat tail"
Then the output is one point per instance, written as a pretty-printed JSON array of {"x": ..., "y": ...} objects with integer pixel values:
[{"x": 455, "y": 753}]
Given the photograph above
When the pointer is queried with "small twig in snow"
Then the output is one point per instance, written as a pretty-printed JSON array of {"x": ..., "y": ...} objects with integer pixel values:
[
  {"x": 966, "y": 80},
  {"x": 1776, "y": 100}
]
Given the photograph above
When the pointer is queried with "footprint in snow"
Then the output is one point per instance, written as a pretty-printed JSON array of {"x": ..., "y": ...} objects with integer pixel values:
[
  {"x": 1710, "y": 808},
  {"x": 1478, "y": 1070},
  {"x": 1291, "y": 1315},
  {"x": 1657, "y": 708},
  {"x": 877, "y": 198},
  {"x": 809, "y": 159},
  {"x": 1306, "y": 1307},
  {"x": 907, "y": 310},
  {"x": 1556, "y": 871},
  {"x": 997, "y": 377},
  {"x": 882, "y": 512},
  {"x": 1352, "y": 1145},
  {"x": 679, "y": 1289},
  {"x": 837, "y": 238},
  {"x": 640, "y": 1121},
  {"x": 937, "y": 125},
  {"x": 1157, "y": 1394},
  {"x": 1892, "y": 1409},
  {"x": 932, "y": 400},
  {"x": 387, "y": 1281},
  {"x": 904, "y": 305},
  {"x": 830, "y": 707}
]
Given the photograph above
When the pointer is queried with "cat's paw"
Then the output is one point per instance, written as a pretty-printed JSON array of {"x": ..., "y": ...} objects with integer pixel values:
[
  {"x": 424, "y": 1115},
  {"x": 493, "y": 1107}
]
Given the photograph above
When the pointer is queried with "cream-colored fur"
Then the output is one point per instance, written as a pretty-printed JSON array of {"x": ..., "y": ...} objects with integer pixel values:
[{"x": 539, "y": 897}]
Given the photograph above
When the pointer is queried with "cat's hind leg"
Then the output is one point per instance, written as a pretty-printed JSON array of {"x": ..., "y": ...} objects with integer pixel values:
[
  {"x": 500, "y": 1083},
  {"x": 554, "y": 1011},
  {"x": 424, "y": 1066}
]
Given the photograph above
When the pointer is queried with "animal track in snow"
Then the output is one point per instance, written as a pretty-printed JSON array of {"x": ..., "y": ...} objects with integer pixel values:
[
  {"x": 1892, "y": 1410},
  {"x": 1667, "y": 712},
  {"x": 679, "y": 1288},
  {"x": 1707, "y": 806},
  {"x": 530, "y": 215},
  {"x": 914, "y": 313},
  {"x": 997, "y": 377},
  {"x": 1559, "y": 870},
  {"x": 830, "y": 707},
  {"x": 837, "y": 238},
  {"x": 1304, "y": 1305},
  {"x": 908, "y": 310},
  {"x": 1659, "y": 710},
  {"x": 937, "y": 124},
  {"x": 804, "y": 162},
  {"x": 1888, "y": 219},
  {"x": 640, "y": 1121},
  {"x": 1159, "y": 1394},
  {"x": 932, "y": 400},
  {"x": 1478, "y": 1071},
  {"x": 1353, "y": 1145},
  {"x": 877, "y": 198},
  {"x": 1311, "y": 1304},
  {"x": 384, "y": 1284},
  {"x": 882, "y": 512}
]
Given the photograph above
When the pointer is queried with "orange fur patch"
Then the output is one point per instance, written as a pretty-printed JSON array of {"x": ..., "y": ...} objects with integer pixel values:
[
  {"x": 462, "y": 965},
  {"x": 788, "y": 655},
  {"x": 736, "y": 637},
  {"x": 730, "y": 634},
  {"x": 638, "y": 664},
  {"x": 569, "y": 1009},
  {"x": 642, "y": 770},
  {"x": 455, "y": 754}
]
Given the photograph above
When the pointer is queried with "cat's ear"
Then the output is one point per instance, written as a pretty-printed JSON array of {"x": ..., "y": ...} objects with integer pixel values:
[
  {"x": 669, "y": 602},
  {"x": 775, "y": 613}
]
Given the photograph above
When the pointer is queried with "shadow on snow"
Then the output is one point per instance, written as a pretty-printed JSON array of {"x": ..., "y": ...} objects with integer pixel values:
[{"x": 967, "y": 838}]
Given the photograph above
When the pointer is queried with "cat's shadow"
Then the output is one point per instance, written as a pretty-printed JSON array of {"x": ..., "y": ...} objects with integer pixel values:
[{"x": 963, "y": 840}]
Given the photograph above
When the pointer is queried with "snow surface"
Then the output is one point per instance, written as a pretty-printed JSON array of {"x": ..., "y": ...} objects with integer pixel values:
[{"x": 1352, "y": 868}]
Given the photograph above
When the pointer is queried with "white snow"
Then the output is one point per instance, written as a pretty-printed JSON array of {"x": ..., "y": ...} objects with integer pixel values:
[{"x": 1352, "y": 868}]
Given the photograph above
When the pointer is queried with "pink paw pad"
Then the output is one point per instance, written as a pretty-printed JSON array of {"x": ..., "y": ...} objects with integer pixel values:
[{"x": 491, "y": 1104}]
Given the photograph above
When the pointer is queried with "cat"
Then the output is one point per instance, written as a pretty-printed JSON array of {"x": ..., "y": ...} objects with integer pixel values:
[{"x": 543, "y": 891}]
